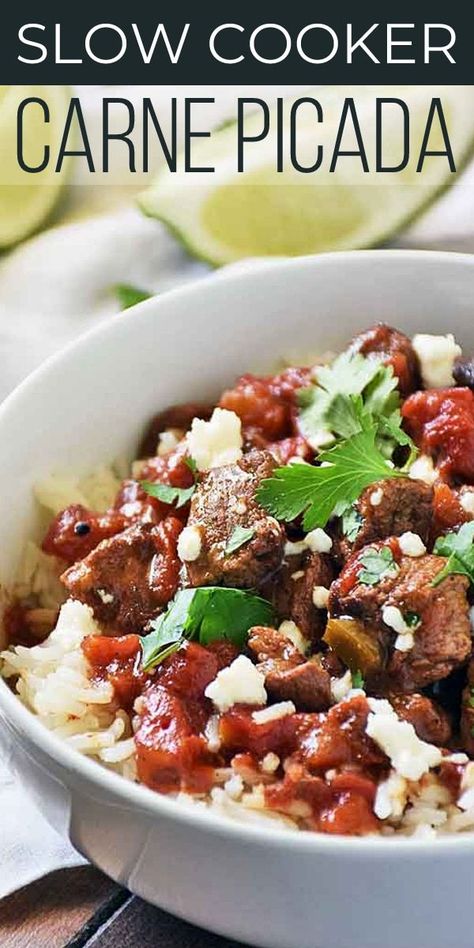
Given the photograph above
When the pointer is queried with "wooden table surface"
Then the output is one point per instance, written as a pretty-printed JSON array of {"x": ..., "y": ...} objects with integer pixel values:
[{"x": 81, "y": 908}]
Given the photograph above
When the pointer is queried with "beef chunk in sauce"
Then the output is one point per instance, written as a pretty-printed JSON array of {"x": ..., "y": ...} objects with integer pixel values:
[
  {"x": 289, "y": 676},
  {"x": 223, "y": 501},
  {"x": 127, "y": 580},
  {"x": 389, "y": 508},
  {"x": 291, "y": 591},
  {"x": 441, "y": 640},
  {"x": 392, "y": 348},
  {"x": 431, "y": 722}
]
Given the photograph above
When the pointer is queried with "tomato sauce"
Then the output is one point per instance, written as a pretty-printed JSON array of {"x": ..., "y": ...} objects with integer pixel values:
[
  {"x": 76, "y": 531},
  {"x": 117, "y": 659},
  {"x": 441, "y": 422},
  {"x": 267, "y": 405}
]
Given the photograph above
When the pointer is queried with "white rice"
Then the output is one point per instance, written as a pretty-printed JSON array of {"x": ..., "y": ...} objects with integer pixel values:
[{"x": 53, "y": 681}]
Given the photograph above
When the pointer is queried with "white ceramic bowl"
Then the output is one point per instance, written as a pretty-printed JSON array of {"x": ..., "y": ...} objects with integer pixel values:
[{"x": 88, "y": 405}]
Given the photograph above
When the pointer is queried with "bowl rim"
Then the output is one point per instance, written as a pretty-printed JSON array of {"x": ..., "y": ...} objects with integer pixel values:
[{"x": 24, "y": 724}]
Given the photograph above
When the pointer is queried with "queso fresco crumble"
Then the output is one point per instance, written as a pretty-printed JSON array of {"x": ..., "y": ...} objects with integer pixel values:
[{"x": 272, "y": 616}]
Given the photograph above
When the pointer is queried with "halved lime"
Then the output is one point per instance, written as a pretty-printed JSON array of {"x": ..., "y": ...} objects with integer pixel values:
[
  {"x": 229, "y": 215},
  {"x": 27, "y": 199}
]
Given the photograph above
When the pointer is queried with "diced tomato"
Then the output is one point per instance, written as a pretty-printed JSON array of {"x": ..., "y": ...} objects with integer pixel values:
[
  {"x": 76, "y": 531},
  {"x": 170, "y": 755},
  {"x": 447, "y": 508},
  {"x": 441, "y": 422},
  {"x": 137, "y": 505},
  {"x": 340, "y": 739},
  {"x": 295, "y": 447},
  {"x": 239, "y": 731},
  {"x": 350, "y": 814},
  {"x": 117, "y": 659}
]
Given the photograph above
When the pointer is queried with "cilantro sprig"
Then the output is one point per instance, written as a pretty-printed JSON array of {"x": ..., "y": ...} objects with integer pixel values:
[
  {"x": 204, "y": 614},
  {"x": 168, "y": 494},
  {"x": 319, "y": 492},
  {"x": 376, "y": 565},
  {"x": 459, "y": 548},
  {"x": 329, "y": 404}
]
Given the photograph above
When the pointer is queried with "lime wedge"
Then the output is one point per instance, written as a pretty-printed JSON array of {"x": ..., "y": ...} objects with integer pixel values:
[
  {"x": 227, "y": 216},
  {"x": 27, "y": 199}
]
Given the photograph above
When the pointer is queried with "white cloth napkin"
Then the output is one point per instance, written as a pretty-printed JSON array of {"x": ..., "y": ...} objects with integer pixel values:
[{"x": 53, "y": 288}]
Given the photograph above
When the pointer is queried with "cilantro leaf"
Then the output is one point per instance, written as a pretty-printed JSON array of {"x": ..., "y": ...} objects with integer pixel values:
[
  {"x": 168, "y": 494},
  {"x": 352, "y": 522},
  {"x": 351, "y": 387},
  {"x": 377, "y": 564},
  {"x": 129, "y": 295},
  {"x": 357, "y": 679},
  {"x": 319, "y": 492},
  {"x": 459, "y": 548},
  {"x": 204, "y": 614},
  {"x": 239, "y": 536}
]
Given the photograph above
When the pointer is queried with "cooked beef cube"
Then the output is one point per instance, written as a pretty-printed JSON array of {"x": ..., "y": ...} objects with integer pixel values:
[
  {"x": 441, "y": 638},
  {"x": 291, "y": 591},
  {"x": 463, "y": 373},
  {"x": 467, "y": 712},
  {"x": 176, "y": 417},
  {"x": 75, "y": 531},
  {"x": 392, "y": 348},
  {"x": 431, "y": 722},
  {"x": 223, "y": 501},
  {"x": 288, "y": 675},
  {"x": 127, "y": 580},
  {"x": 389, "y": 508}
]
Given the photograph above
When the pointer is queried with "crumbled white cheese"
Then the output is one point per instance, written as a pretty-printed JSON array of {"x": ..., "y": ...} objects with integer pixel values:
[
  {"x": 340, "y": 687},
  {"x": 457, "y": 758},
  {"x": 291, "y": 631},
  {"x": 391, "y": 797},
  {"x": 106, "y": 597},
  {"x": 321, "y": 439},
  {"x": 411, "y": 544},
  {"x": 467, "y": 502},
  {"x": 234, "y": 787},
  {"x": 168, "y": 440},
  {"x": 211, "y": 734},
  {"x": 297, "y": 575},
  {"x": 295, "y": 548},
  {"x": 270, "y": 763},
  {"x": 239, "y": 683},
  {"x": 240, "y": 507},
  {"x": 423, "y": 469},
  {"x": 404, "y": 642},
  {"x": 274, "y": 712},
  {"x": 320, "y": 597},
  {"x": 189, "y": 544},
  {"x": 410, "y": 756},
  {"x": 436, "y": 355},
  {"x": 376, "y": 497},
  {"x": 215, "y": 442},
  {"x": 296, "y": 459},
  {"x": 393, "y": 617},
  {"x": 318, "y": 541}
]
